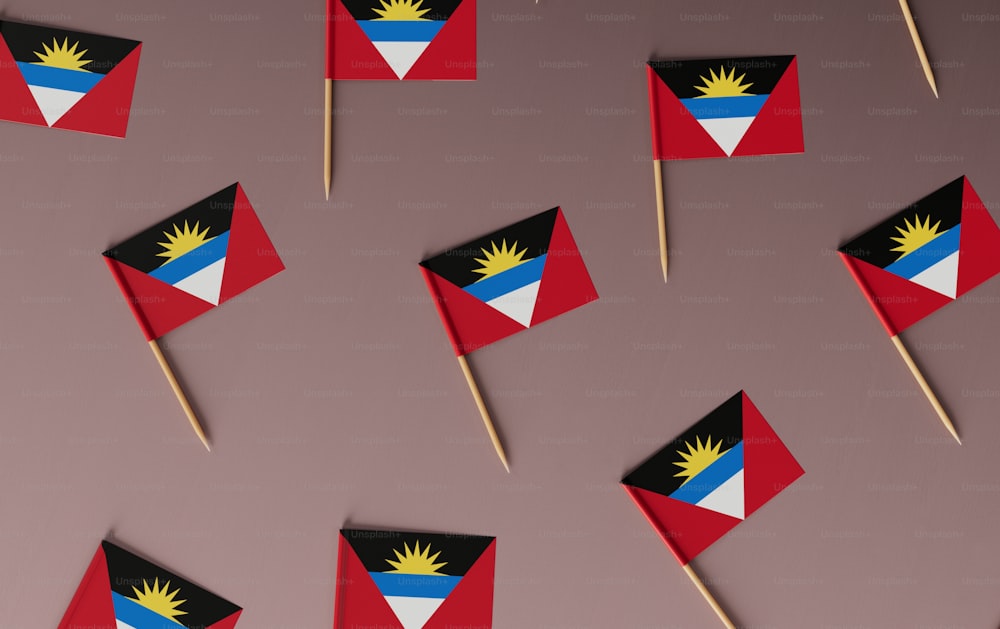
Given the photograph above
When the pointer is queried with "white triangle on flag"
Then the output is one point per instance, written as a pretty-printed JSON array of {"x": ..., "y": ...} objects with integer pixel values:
[
  {"x": 727, "y": 132},
  {"x": 401, "y": 55},
  {"x": 518, "y": 304},
  {"x": 942, "y": 277},
  {"x": 121, "y": 624},
  {"x": 413, "y": 612},
  {"x": 205, "y": 284},
  {"x": 54, "y": 103},
  {"x": 727, "y": 498}
]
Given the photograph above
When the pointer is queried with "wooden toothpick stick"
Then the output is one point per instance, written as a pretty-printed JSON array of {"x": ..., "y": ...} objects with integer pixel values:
[
  {"x": 328, "y": 137},
  {"x": 168, "y": 372},
  {"x": 721, "y": 613},
  {"x": 919, "y": 46},
  {"x": 328, "y": 102},
  {"x": 661, "y": 217},
  {"x": 925, "y": 387},
  {"x": 483, "y": 411}
]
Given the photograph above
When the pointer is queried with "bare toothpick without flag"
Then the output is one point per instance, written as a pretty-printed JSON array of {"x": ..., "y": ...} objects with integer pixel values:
[{"x": 919, "y": 46}]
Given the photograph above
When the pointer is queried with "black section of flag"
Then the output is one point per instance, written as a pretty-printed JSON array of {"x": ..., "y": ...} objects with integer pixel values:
[
  {"x": 140, "y": 251},
  {"x": 875, "y": 246},
  {"x": 683, "y": 77},
  {"x": 440, "y": 10},
  {"x": 104, "y": 53},
  {"x": 458, "y": 552},
  {"x": 657, "y": 473},
  {"x": 128, "y": 571},
  {"x": 457, "y": 265}
]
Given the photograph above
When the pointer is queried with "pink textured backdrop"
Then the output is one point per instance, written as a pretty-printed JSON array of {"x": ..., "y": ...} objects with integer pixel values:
[{"x": 331, "y": 393}]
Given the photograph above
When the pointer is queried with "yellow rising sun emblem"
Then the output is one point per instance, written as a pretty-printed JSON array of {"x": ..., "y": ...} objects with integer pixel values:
[
  {"x": 158, "y": 600},
  {"x": 499, "y": 260},
  {"x": 182, "y": 241},
  {"x": 723, "y": 85},
  {"x": 62, "y": 56},
  {"x": 401, "y": 10},
  {"x": 916, "y": 235},
  {"x": 698, "y": 457},
  {"x": 415, "y": 561}
]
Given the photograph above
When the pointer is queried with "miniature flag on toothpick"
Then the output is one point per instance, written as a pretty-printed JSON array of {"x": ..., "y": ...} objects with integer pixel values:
[
  {"x": 506, "y": 282},
  {"x": 721, "y": 108},
  {"x": 922, "y": 258},
  {"x": 66, "y": 79},
  {"x": 190, "y": 263},
  {"x": 403, "y": 580},
  {"x": 123, "y": 590},
  {"x": 711, "y": 478},
  {"x": 411, "y": 40},
  {"x": 403, "y": 39},
  {"x": 725, "y": 107}
]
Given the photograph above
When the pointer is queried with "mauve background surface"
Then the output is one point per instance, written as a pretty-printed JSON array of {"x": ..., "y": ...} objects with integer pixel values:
[{"x": 332, "y": 396}]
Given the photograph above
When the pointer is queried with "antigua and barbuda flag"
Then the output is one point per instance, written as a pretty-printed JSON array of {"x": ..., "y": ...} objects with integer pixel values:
[
  {"x": 193, "y": 261},
  {"x": 402, "y": 39},
  {"x": 405, "y": 580},
  {"x": 124, "y": 591},
  {"x": 508, "y": 281},
  {"x": 65, "y": 79},
  {"x": 711, "y": 477},
  {"x": 926, "y": 255},
  {"x": 725, "y": 107}
]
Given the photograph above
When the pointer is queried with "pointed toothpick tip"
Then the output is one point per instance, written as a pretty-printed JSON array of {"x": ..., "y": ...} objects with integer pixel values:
[
  {"x": 507, "y": 467},
  {"x": 207, "y": 447}
]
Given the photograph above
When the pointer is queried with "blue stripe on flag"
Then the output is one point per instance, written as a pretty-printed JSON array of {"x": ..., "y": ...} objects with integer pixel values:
[
  {"x": 725, "y": 106},
  {"x": 135, "y": 615},
  {"x": 511, "y": 279},
  {"x": 193, "y": 261},
  {"x": 59, "y": 78},
  {"x": 414, "y": 585},
  {"x": 712, "y": 476},
  {"x": 400, "y": 30},
  {"x": 927, "y": 256}
]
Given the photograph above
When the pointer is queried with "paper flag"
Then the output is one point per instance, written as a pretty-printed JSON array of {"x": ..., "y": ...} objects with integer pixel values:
[
  {"x": 712, "y": 477},
  {"x": 401, "y": 580},
  {"x": 66, "y": 79},
  {"x": 507, "y": 281},
  {"x": 402, "y": 39},
  {"x": 724, "y": 107},
  {"x": 925, "y": 256},
  {"x": 193, "y": 261},
  {"x": 125, "y": 591}
]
